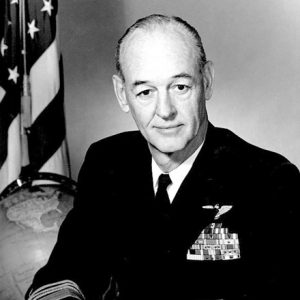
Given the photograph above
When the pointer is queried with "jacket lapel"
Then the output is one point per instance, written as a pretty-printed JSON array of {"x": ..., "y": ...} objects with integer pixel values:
[{"x": 198, "y": 190}]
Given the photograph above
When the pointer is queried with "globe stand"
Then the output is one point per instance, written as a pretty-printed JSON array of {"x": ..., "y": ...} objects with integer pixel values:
[{"x": 29, "y": 180}]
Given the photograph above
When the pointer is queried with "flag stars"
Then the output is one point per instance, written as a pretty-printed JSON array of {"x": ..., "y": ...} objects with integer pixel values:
[
  {"x": 13, "y": 74},
  {"x": 32, "y": 29},
  {"x": 3, "y": 47},
  {"x": 47, "y": 7}
]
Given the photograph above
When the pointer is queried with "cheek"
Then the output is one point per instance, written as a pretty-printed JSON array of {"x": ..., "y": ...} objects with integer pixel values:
[
  {"x": 190, "y": 113},
  {"x": 193, "y": 116},
  {"x": 141, "y": 114}
]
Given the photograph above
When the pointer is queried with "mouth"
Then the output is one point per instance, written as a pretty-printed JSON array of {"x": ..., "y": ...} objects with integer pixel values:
[{"x": 168, "y": 129}]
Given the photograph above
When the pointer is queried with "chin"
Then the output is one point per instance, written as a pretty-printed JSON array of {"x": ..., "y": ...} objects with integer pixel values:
[{"x": 166, "y": 147}]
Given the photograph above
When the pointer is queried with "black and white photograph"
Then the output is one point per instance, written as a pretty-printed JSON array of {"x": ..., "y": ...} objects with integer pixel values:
[{"x": 149, "y": 150}]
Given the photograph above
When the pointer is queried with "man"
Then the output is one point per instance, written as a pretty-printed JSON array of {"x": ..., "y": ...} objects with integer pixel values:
[{"x": 220, "y": 226}]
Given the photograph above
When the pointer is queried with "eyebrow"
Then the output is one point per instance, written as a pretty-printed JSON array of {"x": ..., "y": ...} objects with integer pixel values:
[
  {"x": 139, "y": 82},
  {"x": 180, "y": 75},
  {"x": 183, "y": 75}
]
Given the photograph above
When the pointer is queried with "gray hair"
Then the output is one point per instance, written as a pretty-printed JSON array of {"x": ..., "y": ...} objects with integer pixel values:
[{"x": 155, "y": 20}]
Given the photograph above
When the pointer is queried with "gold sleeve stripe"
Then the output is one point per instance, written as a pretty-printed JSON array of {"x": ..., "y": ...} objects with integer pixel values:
[{"x": 57, "y": 291}]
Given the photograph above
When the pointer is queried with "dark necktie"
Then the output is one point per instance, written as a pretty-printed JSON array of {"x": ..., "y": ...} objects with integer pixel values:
[{"x": 162, "y": 199}]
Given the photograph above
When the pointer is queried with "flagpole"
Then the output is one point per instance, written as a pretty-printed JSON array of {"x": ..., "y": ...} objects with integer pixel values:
[{"x": 25, "y": 97}]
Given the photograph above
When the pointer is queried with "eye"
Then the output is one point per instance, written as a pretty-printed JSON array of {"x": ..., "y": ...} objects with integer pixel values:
[
  {"x": 181, "y": 88},
  {"x": 145, "y": 93}
]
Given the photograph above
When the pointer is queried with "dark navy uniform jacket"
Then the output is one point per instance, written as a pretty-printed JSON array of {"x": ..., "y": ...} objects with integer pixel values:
[{"x": 115, "y": 236}]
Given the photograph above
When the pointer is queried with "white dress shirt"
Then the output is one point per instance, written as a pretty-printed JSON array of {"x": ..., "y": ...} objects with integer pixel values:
[{"x": 177, "y": 175}]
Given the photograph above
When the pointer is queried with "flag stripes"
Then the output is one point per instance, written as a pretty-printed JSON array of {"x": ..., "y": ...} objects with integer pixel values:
[
  {"x": 9, "y": 109},
  {"x": 46, "y": 79},
  {"x": 11, "y": 167},
  {"x": 10, "y": 94},
  {"x": 47, "y": 134}
]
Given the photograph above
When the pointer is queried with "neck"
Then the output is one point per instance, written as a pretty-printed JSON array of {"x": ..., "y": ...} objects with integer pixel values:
[{"x": 170, "y": 161}]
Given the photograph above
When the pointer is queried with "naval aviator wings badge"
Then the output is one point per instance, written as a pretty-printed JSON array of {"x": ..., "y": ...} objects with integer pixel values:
[{"x": 215, "y": 242}]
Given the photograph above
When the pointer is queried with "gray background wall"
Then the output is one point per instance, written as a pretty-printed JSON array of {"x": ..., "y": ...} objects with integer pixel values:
[{"x": 255, "y": 47}]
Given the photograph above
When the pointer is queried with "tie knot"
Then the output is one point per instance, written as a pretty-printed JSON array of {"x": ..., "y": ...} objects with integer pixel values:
[{"x": 163, "y": 181}]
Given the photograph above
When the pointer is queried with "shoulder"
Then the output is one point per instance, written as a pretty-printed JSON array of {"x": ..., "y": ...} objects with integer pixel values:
[
  {"x": 123, "y": 139},
  {"x": 119, "y": 145},
  {"x": 110, "y": 161},
  {"x": 262, "y": 176},
  {"x": 115, "y": 153},
  {"x": 229, "y": 146}
]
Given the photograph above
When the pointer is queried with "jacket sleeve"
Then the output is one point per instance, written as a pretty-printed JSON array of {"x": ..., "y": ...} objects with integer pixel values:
[{"x": 79, "y": 266}]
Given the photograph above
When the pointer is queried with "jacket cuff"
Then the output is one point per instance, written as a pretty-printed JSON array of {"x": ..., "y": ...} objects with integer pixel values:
[{"x": 57, "y": 291}]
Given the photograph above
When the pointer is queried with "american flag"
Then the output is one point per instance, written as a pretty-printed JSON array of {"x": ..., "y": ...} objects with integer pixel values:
[{"x": 35, "y": 52}]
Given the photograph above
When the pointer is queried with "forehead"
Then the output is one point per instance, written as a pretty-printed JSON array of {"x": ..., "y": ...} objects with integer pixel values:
[{"x": 161, "y": 52}]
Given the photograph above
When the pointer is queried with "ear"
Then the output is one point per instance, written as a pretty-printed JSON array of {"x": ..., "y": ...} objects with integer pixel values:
[
  {"x": 208, "y": 73},
  {"x": 119, "y": 88}
]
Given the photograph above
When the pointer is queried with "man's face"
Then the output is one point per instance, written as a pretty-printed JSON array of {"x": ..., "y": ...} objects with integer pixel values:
[{"x": 163, "y": 89}]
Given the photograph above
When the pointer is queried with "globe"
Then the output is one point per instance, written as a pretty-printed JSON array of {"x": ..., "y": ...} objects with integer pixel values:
[{"x": 29, "y": 222}]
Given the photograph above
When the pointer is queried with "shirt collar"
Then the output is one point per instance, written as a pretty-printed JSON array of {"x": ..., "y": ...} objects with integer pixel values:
[{"x": 178, "y": 174}]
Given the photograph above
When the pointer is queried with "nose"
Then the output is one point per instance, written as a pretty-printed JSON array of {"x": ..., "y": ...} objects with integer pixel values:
[{"x": 165, "y": 108}]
